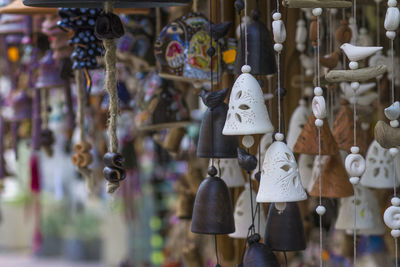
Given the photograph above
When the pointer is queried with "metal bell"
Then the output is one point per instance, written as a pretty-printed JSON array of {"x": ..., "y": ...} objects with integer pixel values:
[
  {"x": 261, "y": 55},
  {"x": 212, "y": 143},
  {"x": 259, "y": 254},
  {"x": 284, "y": 230},
  {"x": 213, "y": 211},
  {"x": 100, "y": 3}
]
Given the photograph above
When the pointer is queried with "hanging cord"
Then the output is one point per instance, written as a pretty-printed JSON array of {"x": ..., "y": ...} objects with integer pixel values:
[
  {"x": 81, "y": 100},
  {"x": 216, "y": 248},
  {"x": 355, "y": 20},
  {"x": 286, "y": 261},
  {"x": 354, "y": 230},
  {"x": 278, "y": 63},
  {"x": 111, "y": 86},
  {"x": 320, "y": 195},
  {"x": 211, "y": 55},
  {"x": 378, "y": 30},
  {"x": 245, "y": 34},
  {"x": 393, "y": 72}
]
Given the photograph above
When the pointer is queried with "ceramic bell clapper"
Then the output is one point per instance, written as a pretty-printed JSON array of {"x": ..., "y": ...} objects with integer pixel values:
[
  {"x": 284, "y": 230},
  {"x": 97, "y": 4},
  {"x": 280, "y": 180},
  {"x": 379, "y": 170},
  {"x": 230, "y": 172},
  {"x": 212, "y": 143},
  {"x": 364, "y": 216},
  {"x": 247, "y": 112},
  {"x": 243, "y": 216},
  {"x": 212, "y": 211},
  {"x": 259, "y": 254},
  {"x": 297, "y": 122},
  {"x": 260, "y": 55}
]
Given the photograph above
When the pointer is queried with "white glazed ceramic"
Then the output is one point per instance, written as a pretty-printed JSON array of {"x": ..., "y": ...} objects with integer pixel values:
[
  {"x": 306, "y": 163},
  {"x": 242, "y": 215},
  {"x": 392, "y": 217},
  {"x": 301, "y": 35},
  {"x": 393, "y": 111},
  {"x": 392, "y": 19},
  {"x": 318, "y": 106},
  {"x": 355, "y": 165},
  {"x": 379, "y": 172},
  {"x": 280, "y": 179},
  {"x": 279, "y": 31},
  {"x": 364, "y": 214},
  {"x": 231, "y": 172},
  {"x": 356, "y": 53},
  {"x": 247, "y": 112},
  {"x": 297, "y": 121},
  {"x": 265, "y": 142}
]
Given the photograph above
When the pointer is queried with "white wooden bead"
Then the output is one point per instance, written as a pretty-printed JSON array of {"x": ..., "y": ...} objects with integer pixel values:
[
  {"x": 277, "y": 16},
  {"x": 392, "y": 3},
  {"x": 393, "y": 151},
  {"x": 395, "y": 201},
  {"x": 280, "y": 206},
  {"x": 319, "y": 123},
  {"x": 318, "y": 106},
  {"x": 246, "y": 69},
  {"x": 355, "y": 165},
  {"x": 248, "y": 141},
  {"x": 395, "y": 233},
  {"x": 354, "y": 180},
  {"x": 391, "y": 35},
  {"x": 318, "y": 91},
  {"x": 355, "y": 85},
  {"x": 394, "y": 123},
  {"x": 320, "y": 210},
  {"x": 355, "y": 149},
  {"x": 278, "y": 47},
  {"x": 317, "y": 11},
  {"x": 353, "y": 65},
  {"x": 279, "y": 137}
]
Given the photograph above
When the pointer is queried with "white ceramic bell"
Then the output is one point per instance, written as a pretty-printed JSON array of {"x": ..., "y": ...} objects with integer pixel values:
[
  {"x": 364, "y": 214},
  {"x": 280, "y": 179},
  {"x": 378, "y": 228},
  {"x": 231, "y": 172},
  {"x": 379, "y": 172},
  {"x": 306, "y": 163},
  {"x": 356, "y": 53},
  {"x": 247, "y": 112},
  {"x": 242, "y": 215},
  {"x": 297, "y": 121},
  {"x": 265, "y": 142}
]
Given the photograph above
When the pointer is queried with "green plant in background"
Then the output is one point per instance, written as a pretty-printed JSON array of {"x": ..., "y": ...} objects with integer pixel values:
[{"x": 83, "y": 226}]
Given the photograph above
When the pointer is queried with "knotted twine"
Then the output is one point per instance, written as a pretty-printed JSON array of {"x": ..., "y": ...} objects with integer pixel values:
[{"x": 111, "y": 87}]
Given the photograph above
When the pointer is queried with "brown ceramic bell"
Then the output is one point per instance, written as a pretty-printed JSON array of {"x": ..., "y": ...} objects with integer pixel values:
[
  {"x": 261, "y": 55},
  {"x": 213, "y": 211},
  {"x": 284, "y": 230},
  {"x": 259, "y": 254},
  {"x": 307, "y": 141},
  {"x": 212, "y": 143},
  {"x": 335, "y": 180},
  {"x": 343, "y": 130}
]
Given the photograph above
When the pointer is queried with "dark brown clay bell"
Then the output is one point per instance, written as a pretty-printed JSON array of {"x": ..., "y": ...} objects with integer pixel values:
[
  {"x": 108, "y": 26},
  {"x": 100, "y": 3},
  {"x": 213, "y": 211},
  {"x": 259, "y": 254},
  {"x": 261, "y": 55},
  {"x": 212, "y": 143},
  {"x": 284, "y": 230}
]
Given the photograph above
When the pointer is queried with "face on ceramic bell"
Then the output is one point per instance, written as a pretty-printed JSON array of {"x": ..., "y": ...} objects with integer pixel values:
[
  {"x": 242, "y": 215},
  {"x": 379, "y": 171},
  {"x": 364, "y": 214},
  {"x": 181, "y": 49},
  {"x": 261, "y": 54},
  {"x": 159, "y": 105},
  {"x": 98, "y": 4},
  {"x": 247, "y": 112},
  {"x": 297, "y": 121},
  {"x": 230, "y": 172},
  {"x": 212, "y": 211},
  {"x": 284, "y": 230},
  {"x": 280, "y": 179}
]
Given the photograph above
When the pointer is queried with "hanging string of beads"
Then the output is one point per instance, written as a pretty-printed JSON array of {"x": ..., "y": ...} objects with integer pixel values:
[
  {"x": 392, "y": 20},
  {"x": 114, "y": 171},
  {"x": 319, "y": 111}
]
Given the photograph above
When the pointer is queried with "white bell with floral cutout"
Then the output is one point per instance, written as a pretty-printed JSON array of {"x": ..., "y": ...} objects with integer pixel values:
[
  {"x": 297, "y": 121},
  {"x": 379, "y": 171},
  {"x": 364, "y": 213},
  {"x": 242, "y": 215},
  {"x": 247, "y": 112},
  {"x": 280, "y": 179},
  {"x": 231, "y": 172}
]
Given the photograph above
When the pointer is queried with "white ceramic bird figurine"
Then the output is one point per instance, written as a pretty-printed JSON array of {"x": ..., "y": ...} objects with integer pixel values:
[
  {"x": 364, "y": 96},
  {"x": 356, "y": 53}
]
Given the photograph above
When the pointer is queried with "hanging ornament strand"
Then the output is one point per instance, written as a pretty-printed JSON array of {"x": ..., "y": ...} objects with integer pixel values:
[
  {"x": 114, "y": 171},
  {"x": 392, "y": 20}
]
